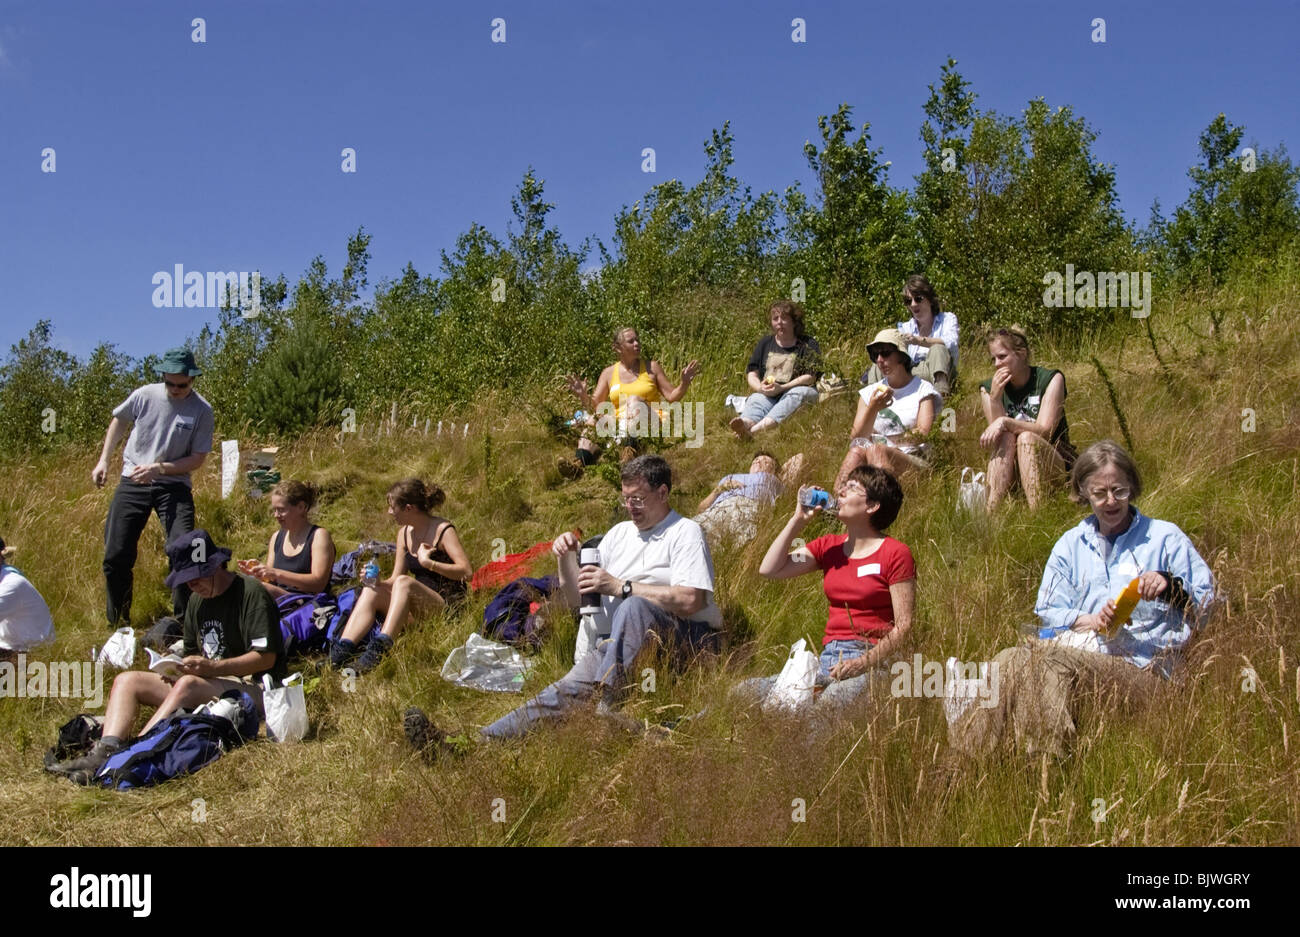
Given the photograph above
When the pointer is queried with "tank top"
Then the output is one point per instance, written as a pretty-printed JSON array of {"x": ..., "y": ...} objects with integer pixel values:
[
  {"x": 452, "y": 590},
  {"x": 301, "y": 563},
  {"x": 644, "y": 387}
]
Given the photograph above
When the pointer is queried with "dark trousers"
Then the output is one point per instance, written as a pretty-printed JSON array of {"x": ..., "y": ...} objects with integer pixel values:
[{"x": 127, "y": 515}]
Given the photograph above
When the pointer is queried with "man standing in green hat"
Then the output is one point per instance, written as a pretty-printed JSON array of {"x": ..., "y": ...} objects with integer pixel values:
[{"x": 170, "y": 438}]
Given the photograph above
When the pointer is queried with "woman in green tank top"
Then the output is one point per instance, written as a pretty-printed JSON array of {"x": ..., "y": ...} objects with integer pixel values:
[{"x": 1027, "y": 431}]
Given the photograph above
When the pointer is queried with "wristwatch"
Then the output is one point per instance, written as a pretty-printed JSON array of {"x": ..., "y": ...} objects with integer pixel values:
[{"x": 627, "y": 588}]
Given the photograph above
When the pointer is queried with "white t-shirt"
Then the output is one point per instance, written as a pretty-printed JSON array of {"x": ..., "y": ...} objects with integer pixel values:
[
  {"x": 24, "y": 617},
  {"x": 672, "y": 553},
  {"x": 900, "y": 416},
  {"x": 944, "y": 327}
]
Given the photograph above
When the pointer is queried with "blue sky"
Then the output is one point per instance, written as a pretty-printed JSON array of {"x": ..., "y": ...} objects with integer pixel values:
[{"x": 226, "y": 155}]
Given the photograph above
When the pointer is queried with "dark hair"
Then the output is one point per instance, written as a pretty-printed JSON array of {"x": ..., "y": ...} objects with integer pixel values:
[
  {"x": 296, "y": 492},
  {"x": 791, "y": 309},
  {"x": 653, "y": 468},
  {"x": 1098, "y": 456},
  {"x": 1014, "y": 337},
  {"x": 918, "y": 285},
  {"x": 882, "y": 488},
  {"x": 416, "y": 493}
]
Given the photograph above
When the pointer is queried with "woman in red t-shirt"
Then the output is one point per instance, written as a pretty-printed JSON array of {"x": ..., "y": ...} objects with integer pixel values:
[{"x": 869, "y": 579}]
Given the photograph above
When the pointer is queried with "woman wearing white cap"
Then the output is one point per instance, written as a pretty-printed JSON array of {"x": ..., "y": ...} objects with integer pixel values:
[{"x": 894, "y": 415}]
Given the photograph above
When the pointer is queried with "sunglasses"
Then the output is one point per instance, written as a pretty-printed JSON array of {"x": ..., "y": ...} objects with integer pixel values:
[{"x": 177, "y": 385}]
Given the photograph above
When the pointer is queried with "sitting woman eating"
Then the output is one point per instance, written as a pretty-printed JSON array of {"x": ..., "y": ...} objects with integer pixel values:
[
  {"x": 428, "y": 549},
  {"x": 899, "y": 410},
  {"x": 300, "y": 555},
  {"x": 869, "y": 580},
  {"x": 630, "y": 385},
  {"x": 1089, "y": 644},
  {"x": 1027, "y": 430},
  {"x": 782, "y": 372},
  {"x": 931, "y": 334}
]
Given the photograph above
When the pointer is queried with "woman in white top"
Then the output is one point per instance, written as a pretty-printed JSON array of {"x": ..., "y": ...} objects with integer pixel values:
[
  {"x": 894, "y": 415},
  {"x": 24, "y": 617},
  {"x": 931, "y": 334}
]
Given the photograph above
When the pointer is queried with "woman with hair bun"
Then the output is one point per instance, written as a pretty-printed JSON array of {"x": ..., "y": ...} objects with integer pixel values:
[
  {"x": 428, "y": 549},
  {"x": 300, "y": 555}
]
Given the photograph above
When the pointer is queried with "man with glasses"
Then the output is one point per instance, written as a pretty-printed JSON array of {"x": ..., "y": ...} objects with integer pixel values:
[
  {"x": 655, "y": 582},
  {"x": 170, "y": 436}
]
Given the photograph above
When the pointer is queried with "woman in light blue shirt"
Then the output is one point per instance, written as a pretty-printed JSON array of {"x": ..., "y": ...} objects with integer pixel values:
[
  {"x": 931, "y": 334},
  {"x": 1081, "y": 647}
]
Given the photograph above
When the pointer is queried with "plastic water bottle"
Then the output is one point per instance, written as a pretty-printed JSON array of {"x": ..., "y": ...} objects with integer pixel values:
[
  {"x": 578, "y": 417},
  {"x": 370, "y": 575},
  {"x": 819, "y": 498}
]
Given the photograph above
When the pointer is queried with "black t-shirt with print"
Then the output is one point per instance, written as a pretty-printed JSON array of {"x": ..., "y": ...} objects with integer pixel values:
[
  {"x": 243, "y": 618},
  {"x": 783, "y": 365},
  {"x": 1023, "y": 403}
]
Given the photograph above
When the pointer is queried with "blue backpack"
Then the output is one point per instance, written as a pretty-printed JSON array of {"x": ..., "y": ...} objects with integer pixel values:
[
  {"x": 181, "y": 744},
  {"x": 507, "y": 618},
  {"x": 344, "y": 603},
  {"x": 301, "y": 627}
]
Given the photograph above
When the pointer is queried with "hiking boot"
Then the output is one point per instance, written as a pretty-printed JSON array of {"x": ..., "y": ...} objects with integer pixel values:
[
  {"x": 570, "y": 468},
  {"x": 379, "y": 645},
  {"x": 342, "y": 653},
  {"x": 424, "y": 736},
  {"x": 83, "y": 769}
]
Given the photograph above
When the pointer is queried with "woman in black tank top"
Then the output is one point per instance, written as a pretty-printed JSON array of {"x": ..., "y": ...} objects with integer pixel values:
[
  {"x": 300, "y": 555},
  {"x": 427, "y": 548}
]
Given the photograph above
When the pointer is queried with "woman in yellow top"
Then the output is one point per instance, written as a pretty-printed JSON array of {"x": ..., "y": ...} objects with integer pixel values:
[{"x": 629, "y": 384}]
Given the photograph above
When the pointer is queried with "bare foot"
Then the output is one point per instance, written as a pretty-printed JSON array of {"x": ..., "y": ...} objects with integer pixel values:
[{"x": 740, "y": 426}]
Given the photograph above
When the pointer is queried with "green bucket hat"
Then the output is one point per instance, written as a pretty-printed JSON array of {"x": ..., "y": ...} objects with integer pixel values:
[{"x": 179, "y": 361}]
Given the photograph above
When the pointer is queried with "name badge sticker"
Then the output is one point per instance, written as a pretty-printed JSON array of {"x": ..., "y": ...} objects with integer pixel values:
[{"x": 869, "y": 569}]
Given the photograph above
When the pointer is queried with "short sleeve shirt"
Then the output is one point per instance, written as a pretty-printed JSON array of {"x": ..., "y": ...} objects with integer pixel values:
[
  {"x": 901, "y": 415},
  {"x": 782, "y": 365},
  {"x": 757, "y": 486},
  {"x": 24, "y": 617},
  {"x": 672, "y": 553},
  {"x": 858, "y": 590},
  {"x": 165, "y": 429},
  {"x": 243, "y": 618}
]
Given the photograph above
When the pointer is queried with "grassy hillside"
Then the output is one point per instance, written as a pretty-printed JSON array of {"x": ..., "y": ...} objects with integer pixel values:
[{"x": 1206, "y": 763}]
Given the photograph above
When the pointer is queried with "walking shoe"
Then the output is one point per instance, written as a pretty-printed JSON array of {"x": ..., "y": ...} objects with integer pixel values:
[
  {"x": 424, "y": 736},
  {"x": 342, "y": 653},
  {"x": 379, "y": 645},
  {"x": 83, "y": 769}
]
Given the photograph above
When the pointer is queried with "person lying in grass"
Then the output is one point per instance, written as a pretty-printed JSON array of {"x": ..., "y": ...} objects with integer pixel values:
[
  {"x": 894, "y": 415},
  {"x": 300, "y": 555},
  {"x": 869, "y": 580},
  {"x": 731, "y": 509},
  {"x": 429, "y": 550},
  {"x": 1085, "y": 647},
  {"x": 654, "y": 578},
  {"x": 231, "y": 631},
  {"x": 1027, "y": 431}
]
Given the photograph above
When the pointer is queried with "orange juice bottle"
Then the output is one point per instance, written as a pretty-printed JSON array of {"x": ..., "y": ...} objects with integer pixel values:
[{"x": 1124, "y": 605}]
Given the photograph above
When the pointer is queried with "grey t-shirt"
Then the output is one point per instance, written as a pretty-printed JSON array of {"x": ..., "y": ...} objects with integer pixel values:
[{"x": 165, "y": 430}]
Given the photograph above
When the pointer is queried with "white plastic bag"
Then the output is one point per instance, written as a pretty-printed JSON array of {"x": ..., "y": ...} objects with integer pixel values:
[
  {"x": 482, "y": 664},
  {"x": 973, "y": 495},
  {"x": 286, "y": 708},
  {"x": 119, "y": 650},
  {"x": 793, "y": 689}
]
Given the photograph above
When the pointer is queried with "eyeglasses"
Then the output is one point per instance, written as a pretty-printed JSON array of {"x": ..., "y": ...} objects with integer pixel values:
[
  {"x": 636, "y": 502},
  {"x": 1099, "y": 495},
  {"x": 852, "y": 488},
  {"x": 177, "y": 385}
]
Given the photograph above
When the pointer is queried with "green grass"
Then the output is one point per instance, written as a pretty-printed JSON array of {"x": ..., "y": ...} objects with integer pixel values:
[{"x": 1204, "y": 763}]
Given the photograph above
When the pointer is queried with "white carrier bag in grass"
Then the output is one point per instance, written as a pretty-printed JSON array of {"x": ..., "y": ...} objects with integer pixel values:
[
  {"x": 793, "y": 689},
  {"x": 973, "y": 495},
  {"x": 119, "y": 650},
  {"x": 285, "y": 707}
]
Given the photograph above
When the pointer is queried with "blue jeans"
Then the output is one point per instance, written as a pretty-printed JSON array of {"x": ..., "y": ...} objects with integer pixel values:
[
  {"x": 777, "y": 409},
  {"x": 836, "y": 693},
  {"x": 607, "y": 669}
]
